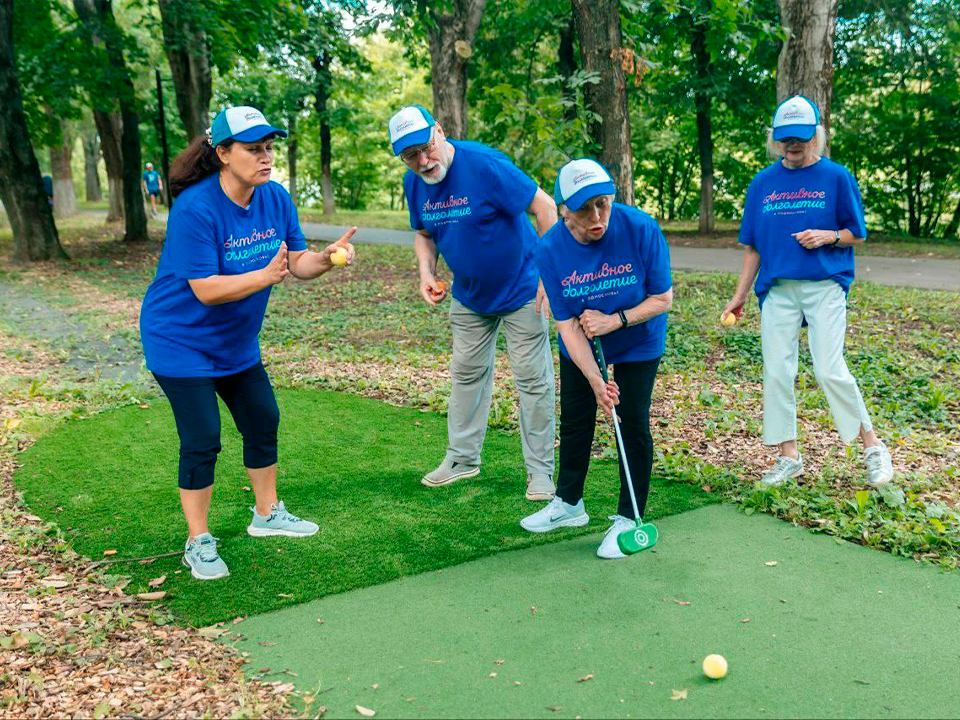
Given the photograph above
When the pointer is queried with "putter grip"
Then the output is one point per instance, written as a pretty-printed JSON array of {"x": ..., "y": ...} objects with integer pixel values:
[{"x": 598, "y": 355}]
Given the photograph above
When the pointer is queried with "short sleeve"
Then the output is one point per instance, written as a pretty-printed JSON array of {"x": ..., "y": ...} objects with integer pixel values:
[
  {"x": 850, "y": 205},
  {"x": 512, "y": 189},
  {"x": 747, "y": 224},
  {"x": 295, "y": 239},
  {"x": 409, "y": 181},
  {"x": 551, "y": 284},
  {"x": 656, "y": 261},
  {"x": 192, "y": 242}
]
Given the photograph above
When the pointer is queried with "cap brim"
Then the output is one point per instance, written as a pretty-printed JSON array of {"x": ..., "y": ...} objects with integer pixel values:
[
  {"x": 257, "y": 133},
  {"x": 804, "y": 132},
  {"x": 576, "y": 201},
  {"x": 417, "y": 137}
]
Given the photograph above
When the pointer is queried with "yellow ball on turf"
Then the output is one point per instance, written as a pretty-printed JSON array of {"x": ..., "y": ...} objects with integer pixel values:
[
  {"x": 714, "y": 666},
  {"x": 728, "y": 320},
  {"x": 339, "y": 257}
]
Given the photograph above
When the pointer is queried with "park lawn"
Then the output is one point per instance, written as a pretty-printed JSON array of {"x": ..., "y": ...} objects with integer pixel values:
[
  {"x": 364, "y": 331},
  {"x": 351, "y": 464}
]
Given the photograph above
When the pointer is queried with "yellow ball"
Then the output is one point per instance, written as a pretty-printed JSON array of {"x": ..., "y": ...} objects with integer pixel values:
[
  {"x": 714, "y": 666},
  {"x": 728, "y": 320},
  {"x": 339, "y": 257}
]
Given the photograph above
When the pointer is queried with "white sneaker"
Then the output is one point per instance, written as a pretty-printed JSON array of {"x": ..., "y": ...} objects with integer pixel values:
[
  {"x": 555, "y": 515},
  {"x": 785, "y": 468},
  {"x": 609, "y": 549},
  {"x": 879, "y": 465}
]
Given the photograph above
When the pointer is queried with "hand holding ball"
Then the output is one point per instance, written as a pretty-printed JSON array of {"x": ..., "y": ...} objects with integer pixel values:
[
  {"x": 714, "y": 666},
  {"x": 728, "y": 320},
  {"x": 339, "y": 257}
]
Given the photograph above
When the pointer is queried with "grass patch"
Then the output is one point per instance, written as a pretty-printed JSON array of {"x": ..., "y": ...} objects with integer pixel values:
[
  {"x": 350, "y": 463},
  {"x": 391, "y": 219}
]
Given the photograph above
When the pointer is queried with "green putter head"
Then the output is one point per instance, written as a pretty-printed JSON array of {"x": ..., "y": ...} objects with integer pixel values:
[{"x": 638, "y": 538}]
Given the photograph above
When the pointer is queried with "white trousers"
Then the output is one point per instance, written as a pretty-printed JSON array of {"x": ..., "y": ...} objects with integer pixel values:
[{"x": 824, "y": 305}]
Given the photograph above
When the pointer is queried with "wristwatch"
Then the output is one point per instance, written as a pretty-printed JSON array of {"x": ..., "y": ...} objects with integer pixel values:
[
  {"x": 623, "y": 318},
  {"x": 837, "y": 239}
]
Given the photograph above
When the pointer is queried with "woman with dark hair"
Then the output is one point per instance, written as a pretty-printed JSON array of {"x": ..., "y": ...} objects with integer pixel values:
[{"x": 232, "y": 235}]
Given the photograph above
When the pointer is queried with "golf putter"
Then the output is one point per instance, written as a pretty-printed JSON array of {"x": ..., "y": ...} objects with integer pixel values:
[{"x": 645, "y": 534}]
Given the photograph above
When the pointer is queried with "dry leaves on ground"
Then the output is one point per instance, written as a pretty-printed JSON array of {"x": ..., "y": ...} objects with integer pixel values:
[{"x": 80, "y": 648}]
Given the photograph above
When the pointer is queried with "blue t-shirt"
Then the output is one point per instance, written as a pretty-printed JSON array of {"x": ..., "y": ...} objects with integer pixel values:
[
  {"x": 152, "y": 179},
  {"x": 208, "y": 234},
  {"x": 617, "y": 272},
  {"x": 477, "y": 218},
  {"x": 781, "y": 201}
]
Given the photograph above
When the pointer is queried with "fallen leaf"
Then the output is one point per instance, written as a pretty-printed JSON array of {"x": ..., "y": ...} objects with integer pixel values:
[
  {"x": 319, "y": 621},
  {"x": 284, "y": 595},
  {"x": 499, "y": 662},
  {"x": 681, "y": 602},
  {"x": 585, "y": 678},
  {"x": 47, "y": 582},
  {"x": 144, "y": 406},
  {"x": 366, "y": 712},
  {"x": 862, "y": 682},
  {"x": 264, "y": 643},
  {"x": 554, "y": 708},
  {"x": 706, "y": 488},
  {"x": 678, "y": 694},
  {"x": 321, "y": 711},
  {"x": 492, "y": 675},
  {"x": 376, "y": 685},
  {"x": 516, "y": 682},
  {"x": 245, "y": 488},
  {"x": 783, "y": 601},
  {"x": 435, "y": 662},
  {"x": 13, "y": 423},
  {"x": 238, "y": 620},
  {"x": 157, "y": 582},
  {"x": 533, "y": 609},
  {"x": 159, "y": 595},
  {"x": 771, "y": 563},
  {"x": 745, "y": 620},
  {"x": 109, "y": 552}
]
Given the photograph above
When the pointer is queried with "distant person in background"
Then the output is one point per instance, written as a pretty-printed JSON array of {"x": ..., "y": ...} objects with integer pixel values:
[
  {"x": 48, "y": 188},
  {"x": 152, "y": 186},
  {"x": 802, "y": 218},
  {"x": 469, "y": 203}
]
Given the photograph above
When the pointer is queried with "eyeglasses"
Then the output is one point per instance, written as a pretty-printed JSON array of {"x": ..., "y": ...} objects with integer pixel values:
[
  {"x": 413, "y": 154},
  {"x": 791, "y": 140}
]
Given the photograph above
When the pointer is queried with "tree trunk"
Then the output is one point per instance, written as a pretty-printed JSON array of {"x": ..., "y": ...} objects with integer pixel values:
[
  {"x": 567, "y": 64},
  {"x": 598, "y": 26},
  {"x": 701, "y": 58},
  {"x": 954, "y": 225},
  {"x": 805, "y": 66},
  {"x": 98, "y": 16},
  {"x": 451, "y": 45},
  {"x": 321, "y": 63},
  {"x": 64, "y": 194},
  {"x": 292, "y": 142},
  {"x": 188, "y": 53},
  {"x": 21, "y": 187},
  {"x": 110, "y": 127},
  {"x": 91, "y": 159}
]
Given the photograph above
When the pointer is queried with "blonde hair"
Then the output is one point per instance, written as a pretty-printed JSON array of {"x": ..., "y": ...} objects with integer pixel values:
[{"x": 773, "y": 147}]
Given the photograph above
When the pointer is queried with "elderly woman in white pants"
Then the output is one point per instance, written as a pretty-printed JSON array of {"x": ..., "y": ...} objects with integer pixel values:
[{"x": 802, "y": 218}]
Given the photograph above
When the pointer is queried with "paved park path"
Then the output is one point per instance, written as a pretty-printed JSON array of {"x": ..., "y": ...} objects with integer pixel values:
[
  {"x": 810, "y": 626},
  {"x": 930, "y": 273}
]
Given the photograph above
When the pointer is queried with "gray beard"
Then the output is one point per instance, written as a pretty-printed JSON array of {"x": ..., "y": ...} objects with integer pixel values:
[{"x": 436, "y": 179}]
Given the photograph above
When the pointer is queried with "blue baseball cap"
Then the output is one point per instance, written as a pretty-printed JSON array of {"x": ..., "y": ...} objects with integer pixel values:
[
  {"x": 411, "y": 125},
  {"x": 580, "y": 180},
  {"x": 796, "y": 117},
  {"x": 243, "y": 124}
]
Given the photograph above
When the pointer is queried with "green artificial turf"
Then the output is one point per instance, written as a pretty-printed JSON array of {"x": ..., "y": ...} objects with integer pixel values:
[
  {"x": 351, "y": 464},
  {"x": 810, "y": 626}
]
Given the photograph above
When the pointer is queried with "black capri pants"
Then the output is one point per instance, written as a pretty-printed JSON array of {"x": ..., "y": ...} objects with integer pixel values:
[
  {"x": 249, "y": 397},
  {"x": 578, "y": 420}
]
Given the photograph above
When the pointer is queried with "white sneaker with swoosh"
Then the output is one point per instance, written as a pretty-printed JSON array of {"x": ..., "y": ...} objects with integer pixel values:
[{"x": 555, "y": 515}]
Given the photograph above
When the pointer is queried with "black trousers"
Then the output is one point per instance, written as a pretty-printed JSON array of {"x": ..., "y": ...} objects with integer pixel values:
[
  {"x": 249, "y": 397},
  {"x": 578, "y": 419}
]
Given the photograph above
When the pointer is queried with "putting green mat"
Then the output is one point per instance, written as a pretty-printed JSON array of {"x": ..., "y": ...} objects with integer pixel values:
[{"x": 810, "y": 627}]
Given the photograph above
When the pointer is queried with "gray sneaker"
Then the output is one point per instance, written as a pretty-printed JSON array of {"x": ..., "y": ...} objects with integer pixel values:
[
  {"x": 448, "y": 472},
  {"x": 879, "y": 465},
  {"x": 279, "y": 522},
  {"x": 783, "y": 469},
  {"x": 202, "y": 558},
  {"x": 540, "y": 487}
]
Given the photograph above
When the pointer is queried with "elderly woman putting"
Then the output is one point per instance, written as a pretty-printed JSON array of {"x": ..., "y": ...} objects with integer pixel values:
[
  {"x": 802, "y": 218},
  {"x": 606, "y": 271}
]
